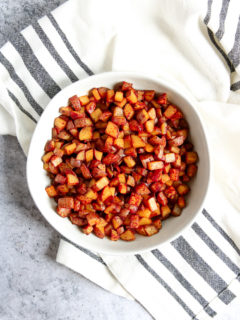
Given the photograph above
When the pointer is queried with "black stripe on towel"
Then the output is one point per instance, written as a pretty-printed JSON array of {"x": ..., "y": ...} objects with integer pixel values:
[
  {"x": 234, "y": 54},
  {"x": 195, "y": 294},
  {"x": 165, "y": 285},
  {"x": 208, "y": 15},
  {"x": 21, "y": 84},
  {"x": 212, "y": 245},
  {"x": 69, "y": 46},
  {"x": 18, "y": 104},
  {"x": 86, "y": 251},
  {"x": 235, "y": 86},
  {"x": 220, "y": 230},
  {"x": 220, "y": 50},
  {"x": 35, "y": 68},
  {"x": 203, "y": 269},
  {"x": 222, "y": 17},
  {"x": 54, "y": 53}
]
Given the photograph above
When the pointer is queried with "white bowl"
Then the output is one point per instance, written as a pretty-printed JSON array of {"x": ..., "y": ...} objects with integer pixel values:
[{"x": 38, "y": 179}]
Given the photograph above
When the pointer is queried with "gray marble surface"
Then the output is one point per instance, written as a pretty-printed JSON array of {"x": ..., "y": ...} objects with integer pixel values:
[{"x": 32, "y": 284}]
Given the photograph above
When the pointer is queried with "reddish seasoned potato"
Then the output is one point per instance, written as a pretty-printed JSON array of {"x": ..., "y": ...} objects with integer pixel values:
[{"x": 119, "y": 162}]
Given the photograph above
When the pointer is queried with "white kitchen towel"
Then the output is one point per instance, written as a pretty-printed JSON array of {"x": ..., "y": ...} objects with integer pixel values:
[{"x": 192, "y": 44}]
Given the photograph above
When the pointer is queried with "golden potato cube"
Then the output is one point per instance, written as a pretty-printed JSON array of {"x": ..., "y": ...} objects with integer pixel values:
[
  {"x": 86, "y": 133},
  {"x": 112, "y": 129},
  {"x": 130, "y": 162},
  {"x": 137, "y": 142},
  {"x": 89, "y": 155}
]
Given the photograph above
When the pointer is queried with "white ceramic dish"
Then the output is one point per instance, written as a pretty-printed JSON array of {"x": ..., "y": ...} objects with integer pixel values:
[{"x": 38, "y": 179}]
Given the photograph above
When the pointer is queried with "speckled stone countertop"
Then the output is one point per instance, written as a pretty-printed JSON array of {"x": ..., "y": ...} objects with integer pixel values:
[{"x": 32, "y": 284}]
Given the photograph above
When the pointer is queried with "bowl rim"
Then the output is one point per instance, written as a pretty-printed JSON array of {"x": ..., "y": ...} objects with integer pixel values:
[{"x": 172, "y": 87}]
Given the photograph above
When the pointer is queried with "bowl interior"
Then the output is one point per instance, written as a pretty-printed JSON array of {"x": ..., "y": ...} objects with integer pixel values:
[{"x": 38, "y": 179}]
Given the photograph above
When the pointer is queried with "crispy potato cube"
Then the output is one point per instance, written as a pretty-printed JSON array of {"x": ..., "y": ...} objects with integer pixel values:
[
  {"x": 149, "y": 125},
  {"x": 66, "y": 202},
  {"x": 170, "y": 111},
  {"x": 183, "y": 189},
  {"x": 165, "y": 212},
  {"x": 162, "y": 199},
  {"x": 70, "y": 148},
  {"x": 121, "y": 178},
  {"x": 128, "y": 111},
  {"x": 98, "y": 155},
  {"x": 174, "y": 174},
  {"x": 81, "y": 156},
  {"x": 114, "y": 235},
  {"x": 130, "y": 162},
  {"x": 85, "y": 171},
  {"x": 92, "y": 218},
  {"x": 84, "y": 100},
  {"x": 107, "y": 192},
  {"x": 112, "y": 129},
  {"x": 151, "y": 203},
  {"x": 141, "y": 230},
  {"x": 105, "y": 116},
  {"x": 127, "y": 142},
  {"x": 131, "y": 96},
  {"x": 151, "y": 230},
  {"x": 122, "y": 187},
  {"x": 96, "y": 94},
  {"x": 131, "y": 181},
  {"x": 103, "y": 91},
  {"x": 76, "y": 220},
  {"x": 117, "y": 112},
  {"x": 90, "y": 107},
  {"x": 91, "y": 194},
  {"x": 191, "y": 157},
  {"x": 134, "y": 221},
  {"x": 110, "y": 95},
  {"x": 158, "y": 223},
  {"x": 87, "y": 229},
  {"x": 135, "y": 199},
  {"x": 63, "y": 212},
  {"x": 60, "y": 123},
  {"x": 101, "y": 183},
  {"x": 62, "y": 189},
  {"x": 72, "y": 180},
  {"x": 75, "y": 102},
  {"x": 145, "y": 159},
  {"x": 137, "y": 142},
  {"x": 170, "y": 157},
  {"x": 191, "y": 170},
  {"x": 51, "y": 191},
  {"x": 66, "y": 111},
  {"x": 55, "y": 161},
  {"x": 152, "y": 113},
  {"x": 96, "y": 115},
  {"x": 145, "y": 213},
  {"x": 89, "y": 155},
  {"x": 119, "y": 120},
  {"x": 149, "y": 148},
  {"x": 142, "y": 116},
  {"x": 99, "y": 231},
  {"x": 155, "y": 165},
  {"x": 142, "y": 189},
  {"x": 128, "y": 235},
  {"x": 176, "y": 211},
  {"x": 181, "y": 202},
  {"x": 118, "y": 96},
  {"x": 126, "y": 86},
  {"x": 149, "y": 95},
  {"x": 86, "y": 133},
  {"x": 145, "y": 221},
  {"x": 49, "y": 146},
  {"x": 170, "y": 192},
  {"x": 116, "y": 222},
  {"x": 119, "y": 143},
  {"x": 111, "y": 158},
  {"x": 83, "y": 122},
  {"x": 122, "y": 103},
  {"x": 46, "y": 158}
]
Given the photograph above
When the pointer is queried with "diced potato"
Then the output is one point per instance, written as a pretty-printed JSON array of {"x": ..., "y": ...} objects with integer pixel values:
[
  {"x": 131, "y": 97},
  {"x": 149, "y": 125},
  {"x": 112, "y": 129},
  {"x": 46, "y": 158},
  {"x": 170, "y": 157},
  {"x": 152, "y": 205},
  {"x": 142, "y": 116},
  {"x": 152, "y": 113},
  {"x": 87, "y": 229},
  {"x": 119, "y": 143},
  {"x": 128, "y": 111},
  {"x": 90, "y": 107},
  {"x": 89, "y": 155},
  {"x": 151, "y": 230},
  {"x": 101, "y": 183},
  {"x": 84, "y": 100},
  {"x": 66, "y": 202},
  {"x": 170, "y": 111},
  {"x": 130, "y": 181},
  {"x": 85, "y": 134},
  {"x": 145, "y": 221},
  {"x": 165, "y": 211},
  {"x": 191, "y": 157},
  {"x": 118, "y": 96},
  {"x": 60, "y": 123},
  {"x": 70, "y": 148},
  {"x": 98, "y": 154},
  {"x": 130, "y": 162},
  {"x": 51, "y": 191},
  {"x": 183, "y": 189},
  {"x": 137, "y": 142},
  {"x": 155, "y": 165},
  {"x": 96, "y": 115},
  {"x": 122, "y": 187},
  {"x": 72, "y": 180},
  {"x": 96, "y": 94},
  {"x": 128, "y": 235},
  {"x": 116, "y": 222}
]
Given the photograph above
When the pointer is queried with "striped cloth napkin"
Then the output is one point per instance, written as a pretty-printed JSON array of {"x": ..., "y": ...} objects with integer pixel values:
[{"x": 192, "y": 44}]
